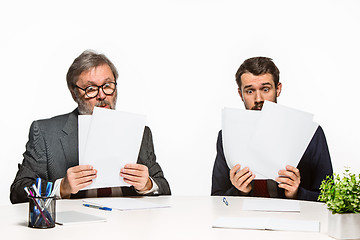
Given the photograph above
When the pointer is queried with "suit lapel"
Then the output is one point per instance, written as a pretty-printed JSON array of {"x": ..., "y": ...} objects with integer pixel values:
[{"x": 69, "y": 140}]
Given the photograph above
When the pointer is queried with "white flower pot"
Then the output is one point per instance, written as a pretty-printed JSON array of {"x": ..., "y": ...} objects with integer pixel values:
[{"x": 344, "y": 226}]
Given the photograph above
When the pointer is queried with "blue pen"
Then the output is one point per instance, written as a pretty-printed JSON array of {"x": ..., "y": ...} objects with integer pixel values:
[
  {"x": 97, "y": 207},
  {"x": 225, "y": 201},
  {"x": 48, "y": 189},
  {"x": 52, "y": 194},
  {"x": 38, "y": 185}
]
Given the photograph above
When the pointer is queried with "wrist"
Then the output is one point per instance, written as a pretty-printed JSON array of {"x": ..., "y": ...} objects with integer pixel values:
[
  {"x": 63, "y": 193},
  {"x": 245, "y": 193},
  {"x": 148, "y": 186}
]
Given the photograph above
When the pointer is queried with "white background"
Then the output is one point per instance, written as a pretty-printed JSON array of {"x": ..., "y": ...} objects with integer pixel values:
[{"x": 177, "y": 61}]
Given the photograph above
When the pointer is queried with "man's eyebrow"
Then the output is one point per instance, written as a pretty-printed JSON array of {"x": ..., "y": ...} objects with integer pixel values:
[
  {"x": 263, "y": 84},
  {"x": 106, "y": 80},
  {"x": 109, "y": 79}
]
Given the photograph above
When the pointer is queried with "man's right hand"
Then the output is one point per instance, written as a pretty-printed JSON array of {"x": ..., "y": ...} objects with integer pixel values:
[
  {"x": 241, "y": 179},
  {"x": 76, "y": 179}
]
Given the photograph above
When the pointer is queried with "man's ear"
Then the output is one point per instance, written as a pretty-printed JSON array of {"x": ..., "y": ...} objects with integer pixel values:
[
  {"x": 278, "y": 89},
  {"x": 240, "y": 94}
]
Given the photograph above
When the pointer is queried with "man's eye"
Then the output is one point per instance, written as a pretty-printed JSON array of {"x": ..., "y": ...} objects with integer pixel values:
[
  {"x": 91, "y": 89},
  {"x": 249, "y": 91},
  {"x": 266, "y": 89}
]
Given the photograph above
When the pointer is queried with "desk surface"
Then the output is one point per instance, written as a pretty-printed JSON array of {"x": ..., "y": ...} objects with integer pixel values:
[{"x": 189, "y": 217}]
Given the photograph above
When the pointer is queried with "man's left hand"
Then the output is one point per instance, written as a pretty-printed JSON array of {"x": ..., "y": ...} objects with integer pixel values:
[
  {"x": 289, "y": 179},
  {"x": 137, "y": 175}
]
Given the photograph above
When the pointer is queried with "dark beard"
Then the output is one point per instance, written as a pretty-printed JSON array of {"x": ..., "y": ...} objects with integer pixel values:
[{"x": 258, "y": 106}]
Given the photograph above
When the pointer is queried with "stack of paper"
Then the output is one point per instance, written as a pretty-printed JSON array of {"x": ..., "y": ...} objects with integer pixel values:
[
  {"x": 108, "y": 140},
  {"x": 74, "y": 217},
  {"x": 267, "y": 140},
  {"x": 267, "y": 224},
  {"x": 123, "y": 203},
  {"x": 270, "y": 205}
]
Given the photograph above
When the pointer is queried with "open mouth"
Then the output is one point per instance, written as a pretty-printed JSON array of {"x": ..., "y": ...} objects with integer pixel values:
[{"x": 257, "y": 107}]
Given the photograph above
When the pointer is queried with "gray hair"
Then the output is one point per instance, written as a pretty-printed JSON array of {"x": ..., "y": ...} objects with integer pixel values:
[{"x": 87, "y": 60}]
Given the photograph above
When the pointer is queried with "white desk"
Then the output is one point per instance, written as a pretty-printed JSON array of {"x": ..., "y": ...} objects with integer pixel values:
[{"x": 187, "y": 218}]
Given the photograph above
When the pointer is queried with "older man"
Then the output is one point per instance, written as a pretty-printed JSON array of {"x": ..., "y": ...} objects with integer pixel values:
[
  {"x": 52, "y": 150},
  {"x": 258, "y": 80}
]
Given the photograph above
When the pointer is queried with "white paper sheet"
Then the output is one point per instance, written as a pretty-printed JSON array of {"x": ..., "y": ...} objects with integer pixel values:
[
  {"x": 267, "y": 224},
  {"x": 74, "y": 217},
  {"x": 270, "y": 205},
  {"x": 268, "y": 140},
  {"x": 281, "y": 138},
  {"x": 123, "y": 203},
  {"x": 293, "y": 225},
  {"x": 237, "y": 129},
  {"x": 83, "y": 128},
  {"x": 238, "y": 222},
  {"x": 113, "y": 140}
]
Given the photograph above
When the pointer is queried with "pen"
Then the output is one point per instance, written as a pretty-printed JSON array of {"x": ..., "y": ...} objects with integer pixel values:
[
  {"x": 27, "y": 191},
  {"x": 225, "y": 201},
  {"x": 38, "y": 185},
  {"x": 97, "y": 207},
  {"x": 36, "y": 190},
  {"x": 48, "y": 201},
  {"x": 48, "y": 189},
  {"x": 56, "y": 187},
  {"x": 31, "y": 193}
]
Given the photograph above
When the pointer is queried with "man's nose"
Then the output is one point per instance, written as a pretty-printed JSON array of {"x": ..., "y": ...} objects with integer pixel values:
[
  {"x": 101, "y": 95},
  {"x": 259, "y": 97}
]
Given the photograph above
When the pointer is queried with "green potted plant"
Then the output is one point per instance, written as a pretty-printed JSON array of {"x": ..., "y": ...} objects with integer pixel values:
[{"x": 342, "y": 198}]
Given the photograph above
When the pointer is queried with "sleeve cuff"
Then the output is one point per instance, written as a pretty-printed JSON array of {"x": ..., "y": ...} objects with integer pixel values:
[
  {"x": 153, "y": 190},
  {"x": 57, "y": 183}
]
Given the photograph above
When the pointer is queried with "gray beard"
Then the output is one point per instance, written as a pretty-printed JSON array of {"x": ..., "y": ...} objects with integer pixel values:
[
  {"x": 83, "y": 108},
  {"x": 86, "y": 109}
]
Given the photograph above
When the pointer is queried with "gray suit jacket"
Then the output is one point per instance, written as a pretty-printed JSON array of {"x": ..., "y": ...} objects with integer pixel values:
[{"x": 53, "y": 148}]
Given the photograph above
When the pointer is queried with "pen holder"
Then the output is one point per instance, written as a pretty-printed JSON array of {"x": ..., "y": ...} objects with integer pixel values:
[{"x": 42, "y": 212}]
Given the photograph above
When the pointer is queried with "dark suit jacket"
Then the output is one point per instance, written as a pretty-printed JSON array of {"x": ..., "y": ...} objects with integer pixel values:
[
  {"x": 314, "y": 166},
  {"x": 53, "y": 148}
]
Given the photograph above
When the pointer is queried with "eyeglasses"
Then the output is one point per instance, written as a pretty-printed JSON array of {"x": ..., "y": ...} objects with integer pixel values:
[{"x": 92, "y": 91}]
